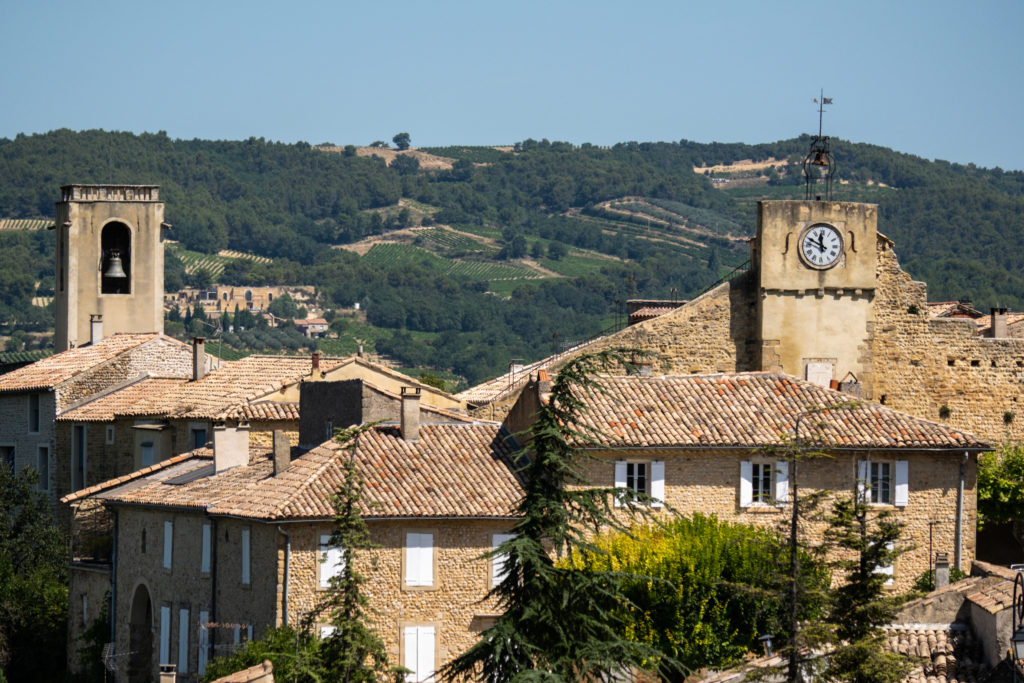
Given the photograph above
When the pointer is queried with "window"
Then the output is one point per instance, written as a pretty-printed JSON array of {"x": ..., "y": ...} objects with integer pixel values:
[
  {"x": 7, "y": 457},
  {"x": 328, "y": 429},
  {"x": 146, "y": 453},
  {"x": 78, "y": 456},
  {"x": 332, "y": 561},
  {"x": 110, "y": 435},
  {"x": 165, "y": 634},
  {"x": 245, "y": 557},
  {"x": 204, "y": 561},
  {"x": 43, "y": 467},
  {"x": 498, "y": 571},
  {"x": 887, "y": 570},
  {"x": 642, "y": 477},
  {"x": 419, "y": 559},
  {"x": 168, "y": 542},
  {"x": 764, "y": 483},
  {"x": 883, "y": 483},
  {"x": 33, "y": 413},
  {"x": 197, "y": 437},
  {"x": 85, "y": 609},
  {"x": 204, "y": 641},
  {"x": 183, "y": 640},
  {"x": 143, "y": 540},
  {"x": 327, "y": 632},
  {"x": 419, "y": 653}
]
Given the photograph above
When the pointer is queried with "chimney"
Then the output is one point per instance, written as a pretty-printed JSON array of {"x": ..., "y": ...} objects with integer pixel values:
[
  {"x": 168, "y": 673},
  {"x": 998, "y": 328},
  {"x": 282, "y": 452},
  {"x": 198, "y": 358},
  {"x": 941, "y": 570},
  {"x": 316, "y": 363},
  {"x": 544, "y": 382},
  {"x": 230, "y": 447},
  {"x": 95, "y": 328},
  {"x": 410, "y": 413}
]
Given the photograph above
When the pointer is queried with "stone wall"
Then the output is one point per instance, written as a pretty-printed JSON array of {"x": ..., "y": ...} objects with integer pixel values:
[
  {"x": 88, "y": 596},
  {"x": 14, "y": 431},
  {"x": 708, "y": 482}
]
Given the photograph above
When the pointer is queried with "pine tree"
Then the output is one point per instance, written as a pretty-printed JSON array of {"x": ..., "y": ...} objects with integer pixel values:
[{"x": 561, "y": 622}]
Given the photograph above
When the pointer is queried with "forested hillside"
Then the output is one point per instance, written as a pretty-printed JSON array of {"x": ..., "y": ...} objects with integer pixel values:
[{"x": 493, "y": 255}]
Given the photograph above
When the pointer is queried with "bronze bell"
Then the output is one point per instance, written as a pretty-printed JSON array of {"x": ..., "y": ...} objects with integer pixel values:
[
  {"x": 820, "y": 158},
  {"x": 114, "y": 268}
]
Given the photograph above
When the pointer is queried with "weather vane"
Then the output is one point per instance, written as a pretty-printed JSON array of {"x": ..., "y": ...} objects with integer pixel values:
[{"x": 819, "y": 164}]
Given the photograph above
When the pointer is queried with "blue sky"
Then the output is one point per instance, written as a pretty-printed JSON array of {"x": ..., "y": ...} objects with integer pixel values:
[{"x": 937, "y": 79}]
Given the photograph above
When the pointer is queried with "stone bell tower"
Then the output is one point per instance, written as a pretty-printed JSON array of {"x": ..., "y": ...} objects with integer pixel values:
[
  {"x": 110, "y": 262},
  {"x": 815, "y": 265}
]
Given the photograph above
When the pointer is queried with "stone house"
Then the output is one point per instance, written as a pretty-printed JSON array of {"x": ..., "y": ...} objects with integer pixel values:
[
  {"x": 858, "y": 319},
  {"x": 32, "y": 397},
  {"x": 712, "y": 444},
  {"x": 214, "y": 547}
]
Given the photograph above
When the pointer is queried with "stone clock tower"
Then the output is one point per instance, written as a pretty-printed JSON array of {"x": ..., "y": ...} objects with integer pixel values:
[
  {"x": 814, "y": 264},
  {"x": 110, "y": 262}
]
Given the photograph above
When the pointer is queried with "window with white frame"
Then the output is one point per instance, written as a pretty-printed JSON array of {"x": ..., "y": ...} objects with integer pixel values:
[
  {"x": 165, "y": 634},
  {"x": 642, "y": 476},
  {"x": 43, "y": 466},
  {"x": 419, "y": 559},
  {"x": 763, "y": 483},
  {"x": 183, "y": 629},
  {"x": 498, "y": 569},
  {"x": 332, "y": 561},
  {"x": 419, "y": 644},
  {"x": 168, "y": 544},
  {"x": 883, "y": 482},
  {"x": 246, "y": 568}
]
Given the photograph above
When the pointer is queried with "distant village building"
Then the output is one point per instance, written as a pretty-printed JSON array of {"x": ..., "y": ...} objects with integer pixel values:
[{"x": 220, "y": 298}]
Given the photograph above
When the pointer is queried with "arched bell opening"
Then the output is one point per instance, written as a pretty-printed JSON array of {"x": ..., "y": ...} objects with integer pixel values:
[{"x": 116, "y": 259}]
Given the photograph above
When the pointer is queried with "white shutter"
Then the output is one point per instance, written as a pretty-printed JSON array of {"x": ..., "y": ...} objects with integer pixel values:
[
  {"x": 658, "y": 483},
  {"x": 183, "y": 641},
  {"x": 781, "y": 482},
  {"x": 902, "y": 487},
  {"x": 419, "y": 653},
  {"x": 327, "y": 631},
  {"x": 419, "y": 559},
  {"x": 746, "y": 484},
  {"x": 168, "y": 542},
  {"x": 248, "y": 632},
  {"x": 245, "y": 557},
  {"x": 887, "y": 571},
  {"x": 498, "y": 561},
  {"x": 238, "y": 636},
  {"x": 204, "y": 562},
  {"x": 165, "y": 635},
  {"x": 862, "y": 481},
  {"x": 204, "y": 641},
  {"x": 332, "y": 561},
  {"x": 620, "y": 478}
]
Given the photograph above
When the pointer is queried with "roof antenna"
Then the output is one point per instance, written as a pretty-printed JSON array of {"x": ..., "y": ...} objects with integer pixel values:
[{"x": 819, "y": 156}]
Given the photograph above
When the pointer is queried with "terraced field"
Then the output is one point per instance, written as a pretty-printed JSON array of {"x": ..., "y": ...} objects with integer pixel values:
[
  {"x": 211, "y": 263},
  {"x": 486, "y": 270},
  {"x": 394, "y": 253},
  {"x": 452, "y": 241}
]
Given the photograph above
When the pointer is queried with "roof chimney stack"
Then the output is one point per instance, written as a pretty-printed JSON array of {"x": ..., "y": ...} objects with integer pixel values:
[
  {"x": 198, "y": 359},
  {"x": 998, "y": 328},
  {"x": 95, "y": 328},
  {"x": 316, "y": 363},
  {"x": 410, "y": 413},
  {"x": 230, "y": 446},
  {"x": 282, "y": 452},
  {"x": 941, "y": 570}
]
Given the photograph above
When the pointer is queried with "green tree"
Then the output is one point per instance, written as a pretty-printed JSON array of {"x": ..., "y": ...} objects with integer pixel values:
[
  {"x": 354, "y": 651},
  {"x": 33, "y": 582},
  {"x": 405, "y": 164},
  {"x": 402, "y": 140},
  {"x": 294, "y": 652},
  {"x": 864, "y": 544},
  {"x": 1001, "y": 488},
  {"x": 283, "y": 307},
  {"x": 557, "y": 251},
  {"x": 561, "y": 622}
]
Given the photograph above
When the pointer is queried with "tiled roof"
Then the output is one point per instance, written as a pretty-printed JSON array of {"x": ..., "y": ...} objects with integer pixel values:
[
  {"x": 268, "y": 410},
  {"x": 453, "y": 470},
  {"x": 993, "y": 594},
  {"x": 197, "y": 455},
  {"x": 137, "y": 398},
  {"x": 985, "y": 323},
  {"x": 941, "y": 653},
  {"x": 952, "y": 309},
  {"x": 61, "y": 367},
  {"x": 750, "y": 409}
]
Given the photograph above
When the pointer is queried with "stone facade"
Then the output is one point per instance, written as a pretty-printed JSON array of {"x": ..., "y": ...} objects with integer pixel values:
[{"x": 709, "y": 482}]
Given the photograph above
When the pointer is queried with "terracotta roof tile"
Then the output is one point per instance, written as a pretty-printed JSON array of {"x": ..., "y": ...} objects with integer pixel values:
[
  {"x": 453, "y": 470},
  {"x": 197, "y": 455},
  {"x": 138, "y": 398},
  {"x": 750, "y": 409},
  {"x": 942, "y": 653},
  {"x": 268, "y": 410},
  {"x": 61, "y": 367}
]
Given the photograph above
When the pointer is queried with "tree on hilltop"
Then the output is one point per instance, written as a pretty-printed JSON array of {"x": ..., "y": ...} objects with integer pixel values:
[{"x": 402, "y": 140}]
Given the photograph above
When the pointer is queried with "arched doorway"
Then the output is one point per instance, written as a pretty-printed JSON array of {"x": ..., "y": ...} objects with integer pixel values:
[{"x": 140, "y": 637}]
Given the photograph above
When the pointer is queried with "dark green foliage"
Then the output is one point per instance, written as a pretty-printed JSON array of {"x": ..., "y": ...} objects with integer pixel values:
[
  {"x": 560, "y": 622},
  {"x": 295, "y": 653},
  {"x": 1001, "y": 485},
  {"x": 354, "y": 652},
  {"x": 706, "y": 589},
  {"x": 33, "y": 582},
  {"x": 402, "y": 140},
  {"x": 925, "y": 583},
  {"x": 90, "y": 646}
]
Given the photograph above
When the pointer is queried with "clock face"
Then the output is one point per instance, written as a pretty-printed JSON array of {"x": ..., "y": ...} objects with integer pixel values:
[{"x": 821, "y": 245}]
